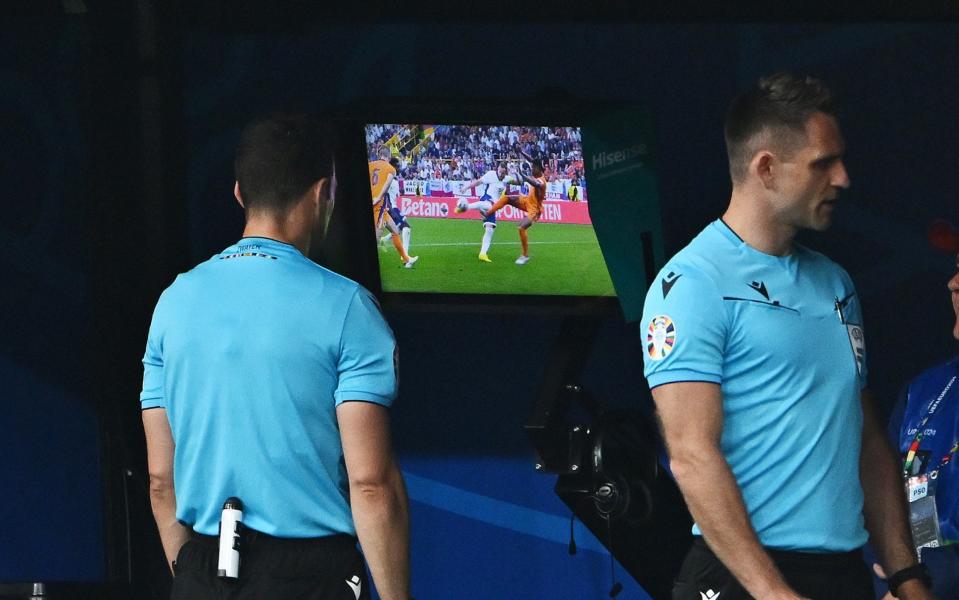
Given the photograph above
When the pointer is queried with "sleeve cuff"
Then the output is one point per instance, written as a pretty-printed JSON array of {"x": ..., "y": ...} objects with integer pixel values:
[
  {"x": 152, "y": 403},
  {"x": 677, "y": 375},
  {"x": 347, "y": 396}
]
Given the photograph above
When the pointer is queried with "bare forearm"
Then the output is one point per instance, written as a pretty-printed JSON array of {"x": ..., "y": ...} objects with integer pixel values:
[
  {"x": 884, "y": 506},
  {"x": 172, "y": 533},
  {"x": 717, "y": 506},
  {"x": 381, "y": 515},
  {"x": 884, "y": 500}
]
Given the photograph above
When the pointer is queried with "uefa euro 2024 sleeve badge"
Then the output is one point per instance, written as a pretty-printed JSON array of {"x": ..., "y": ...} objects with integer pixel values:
[{"x": 661, "y": 337}]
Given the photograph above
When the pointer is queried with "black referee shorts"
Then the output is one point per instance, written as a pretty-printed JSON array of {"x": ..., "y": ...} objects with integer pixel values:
[
  {"x": 327, "y": 568},
  {"x": 834, "y": 576}
]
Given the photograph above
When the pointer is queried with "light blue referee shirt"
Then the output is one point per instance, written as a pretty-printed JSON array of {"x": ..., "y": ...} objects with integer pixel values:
[
  {"x": 783, "y": 338},
  {"x": 250, "y": 353}
]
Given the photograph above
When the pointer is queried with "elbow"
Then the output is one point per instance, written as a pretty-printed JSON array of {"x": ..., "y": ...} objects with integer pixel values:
[
  {"x": 370, "y": 491},
  {"x": 682, "y": 469},
  {"x": 688, "y": 463},
  {"x": 161, "y": 485},
  {"x": 374, "y": 485}
]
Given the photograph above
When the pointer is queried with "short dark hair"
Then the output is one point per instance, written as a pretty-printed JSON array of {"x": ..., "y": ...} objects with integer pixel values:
[
  {"x": 781, "y": 103},
  {"x": 279, "y": 157}
]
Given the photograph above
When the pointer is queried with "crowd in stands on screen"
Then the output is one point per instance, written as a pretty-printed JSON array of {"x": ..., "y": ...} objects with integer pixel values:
[{"x": 460, "y": 152}]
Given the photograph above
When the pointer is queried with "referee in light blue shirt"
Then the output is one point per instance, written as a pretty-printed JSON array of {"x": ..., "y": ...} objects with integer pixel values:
[
  {"x": 755, "y": 354},
  {"x": 269, "y": 378}
]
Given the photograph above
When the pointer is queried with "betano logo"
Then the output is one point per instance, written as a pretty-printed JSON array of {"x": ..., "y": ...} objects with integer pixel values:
[
  {"x": 604, "y": 160},
  {"x": 423, "y": 208}
]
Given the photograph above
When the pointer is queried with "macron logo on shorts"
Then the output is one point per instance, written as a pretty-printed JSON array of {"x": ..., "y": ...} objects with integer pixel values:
[
  {"x": 710, "y": 595},
  {"x": 357, "y": 586}
]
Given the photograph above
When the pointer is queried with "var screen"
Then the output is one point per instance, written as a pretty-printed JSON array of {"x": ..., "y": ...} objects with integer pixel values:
[{"x": 479, "y": 209}]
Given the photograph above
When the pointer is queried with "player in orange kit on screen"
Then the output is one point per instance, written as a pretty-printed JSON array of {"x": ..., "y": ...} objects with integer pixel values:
[
  {"x": 531, "y": 203},
  {"x": 382, "y": 174}
]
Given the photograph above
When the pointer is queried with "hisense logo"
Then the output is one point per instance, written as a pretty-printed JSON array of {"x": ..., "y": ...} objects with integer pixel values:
[{"x": 614, "y": 157}]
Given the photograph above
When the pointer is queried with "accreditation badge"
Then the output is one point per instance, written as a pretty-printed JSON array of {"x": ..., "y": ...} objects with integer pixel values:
[
  {"x": 857, "y": 339},
  {"x": 923, "y": 516}
]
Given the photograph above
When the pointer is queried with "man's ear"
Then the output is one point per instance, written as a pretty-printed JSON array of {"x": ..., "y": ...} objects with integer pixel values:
[
  {"x": 320, "y": 192},
  {"x": 323, "y": 188},
  {"x": 763, "y": 166},
  {"x": 237, "y": 195}
]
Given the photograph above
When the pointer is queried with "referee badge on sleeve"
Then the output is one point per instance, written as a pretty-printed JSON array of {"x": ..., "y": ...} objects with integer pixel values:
[
  {"x": 857, "y": 340},
  {"x": 661, "y": 337}
]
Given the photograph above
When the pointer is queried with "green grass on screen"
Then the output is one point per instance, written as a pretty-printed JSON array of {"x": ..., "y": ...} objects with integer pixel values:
[{"x": 564, "y": 260}]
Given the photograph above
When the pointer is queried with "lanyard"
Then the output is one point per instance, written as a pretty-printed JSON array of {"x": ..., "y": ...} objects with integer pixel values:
[
  {"x": 914, "y": 446},
  {"x": 946, "y": 457}
]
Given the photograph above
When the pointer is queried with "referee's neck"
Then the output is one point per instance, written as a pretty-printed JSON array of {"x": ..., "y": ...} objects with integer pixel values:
[
  {"x": 282, "y": 228},
  {"x": 752, "y": 219}
]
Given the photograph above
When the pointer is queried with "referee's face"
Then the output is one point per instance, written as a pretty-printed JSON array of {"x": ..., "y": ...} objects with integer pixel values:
[
  {"x": 810, "y": 180},
  {"x": 953, "y": 286}
]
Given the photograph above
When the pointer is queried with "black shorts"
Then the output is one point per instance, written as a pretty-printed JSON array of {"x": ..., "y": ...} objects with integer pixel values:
[
  {"x": 328, "y": 568},
  {"x": 839, "y": 576}
]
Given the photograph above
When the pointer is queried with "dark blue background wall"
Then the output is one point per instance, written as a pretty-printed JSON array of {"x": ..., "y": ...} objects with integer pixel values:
[
  {"x": 485, "y": 526},
  {"x": 52, "y": 504}
]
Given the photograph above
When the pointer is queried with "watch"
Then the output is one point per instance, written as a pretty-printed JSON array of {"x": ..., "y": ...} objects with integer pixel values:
[{"x": 917, "y": 571}]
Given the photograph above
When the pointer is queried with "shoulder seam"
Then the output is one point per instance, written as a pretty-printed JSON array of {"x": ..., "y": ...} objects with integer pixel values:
[{"x": 346, "y": 317}]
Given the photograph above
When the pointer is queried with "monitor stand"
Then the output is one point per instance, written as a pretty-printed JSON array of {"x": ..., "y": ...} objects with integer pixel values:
[{"x": 611, "y": 467}]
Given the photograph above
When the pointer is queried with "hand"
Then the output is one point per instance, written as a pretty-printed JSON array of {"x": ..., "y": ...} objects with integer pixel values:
[{"x": 881, "y": 574}]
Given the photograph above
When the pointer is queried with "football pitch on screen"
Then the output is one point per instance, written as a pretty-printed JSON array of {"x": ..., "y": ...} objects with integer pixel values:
[{"x": 564, "y": 260}]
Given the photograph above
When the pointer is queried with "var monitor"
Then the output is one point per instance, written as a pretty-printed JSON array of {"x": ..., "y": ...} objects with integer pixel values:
[{"x": 483, "y": 209}]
